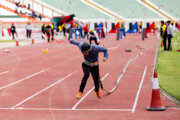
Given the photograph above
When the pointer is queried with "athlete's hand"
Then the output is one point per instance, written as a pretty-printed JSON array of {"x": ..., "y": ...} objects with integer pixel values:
[
  {"x": 104, "y": 59},
  {"x": 69, "y": 40}
]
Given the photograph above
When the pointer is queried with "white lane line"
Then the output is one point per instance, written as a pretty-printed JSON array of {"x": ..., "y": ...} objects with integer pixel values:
[
  {"x": 41, "y": 91},
  {"x": 35, "y": 73},
  {"x": 21, "y": 79},
  {"x": 4, "y": 72},
  {"x": 138, "y": 92},
  {"x": 59, "y": 109},
  {"x": 74, "y": 107},
  {"x": 113, "y": 47}
]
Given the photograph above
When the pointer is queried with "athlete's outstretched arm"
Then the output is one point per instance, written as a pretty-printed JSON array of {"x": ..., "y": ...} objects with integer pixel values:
[
  {"x": 75, "y": 43},
  {"x": 102, "y": 49}
]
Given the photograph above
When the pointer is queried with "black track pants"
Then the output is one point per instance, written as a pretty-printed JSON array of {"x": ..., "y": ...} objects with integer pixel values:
[{"x": 94, "y": 70}]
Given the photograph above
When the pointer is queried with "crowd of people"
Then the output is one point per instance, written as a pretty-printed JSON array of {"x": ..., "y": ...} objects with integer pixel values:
[
  {"x": 25, "y": 10},
  {"x": 49, "y": 30},
  {"x": 166, "y": 32},
  {"x": 14, "y": 32},
  {"x": 90, "y": 51}
]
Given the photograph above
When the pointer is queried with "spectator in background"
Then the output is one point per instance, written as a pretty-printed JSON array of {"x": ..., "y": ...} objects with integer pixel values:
[
  {"x": 29, "y": 6},
  {"x": 140, "y": 27},
  {"x": 80, "y": 28},
  {"x": 86, "y": 29},
  {"x": 163, "y": 32},
  {"x": 48, "y": 32},
  {"x": 18, "y": 7},
  {"x": 155, "y": 28},
  {"x": 93, "y": 36},
  {"x": 60, "y": 28},
  {"x": 64, "y": 29},
  {"x": 13, "y": 31},
  {"x": 43, "y": 30},
  {"x": 169, "y": 34},
  {"x": 28, "y": 30},
  {"x": 176, "y": 26},
  {"x": 52, "y": 31}
]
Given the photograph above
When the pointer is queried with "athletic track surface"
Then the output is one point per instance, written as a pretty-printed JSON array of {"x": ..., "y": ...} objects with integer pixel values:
[{"x": 42, "y": 86}]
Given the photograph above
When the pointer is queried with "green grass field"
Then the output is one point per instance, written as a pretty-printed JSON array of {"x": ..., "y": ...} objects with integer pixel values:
[
  {"x": 7, "y": 41},
  {"x": 11, "y": 41},
  {"x": 168, "y": 67}
]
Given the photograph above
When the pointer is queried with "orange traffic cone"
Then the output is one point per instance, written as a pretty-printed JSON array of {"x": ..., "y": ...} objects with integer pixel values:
[
  {"x": 17, "y": 43},
  {"x": 32, "y": 41},
  {"x": 155, "y": 99}
]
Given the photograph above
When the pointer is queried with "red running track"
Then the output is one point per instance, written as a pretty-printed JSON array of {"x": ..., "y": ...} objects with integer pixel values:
[{"x": 42, "y": 86}]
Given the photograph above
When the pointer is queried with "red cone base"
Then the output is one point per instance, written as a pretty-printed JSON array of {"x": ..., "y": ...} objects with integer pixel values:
[
  {"x": 156, "y": 109},
  {"x": 155, "y": 101}
]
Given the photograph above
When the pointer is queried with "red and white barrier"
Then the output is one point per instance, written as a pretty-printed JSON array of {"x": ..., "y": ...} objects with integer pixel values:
[
  {"x": 6, "y": 32},
  {"x": 21, "y": 32},
  {"x": 155, "y": 99}
]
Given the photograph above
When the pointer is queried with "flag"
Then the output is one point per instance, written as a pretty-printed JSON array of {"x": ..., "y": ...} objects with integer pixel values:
[{"x": 66, "y": 19}]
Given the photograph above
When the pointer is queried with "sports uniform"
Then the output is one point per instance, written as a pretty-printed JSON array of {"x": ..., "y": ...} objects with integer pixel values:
[{"x": 90, "y": 64}]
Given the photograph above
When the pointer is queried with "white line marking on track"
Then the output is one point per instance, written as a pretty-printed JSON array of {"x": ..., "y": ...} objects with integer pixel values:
[
  {"x": 35, "y": 73},
  {"x": 4, "y": 72},
  {"x": 41, "y": 91},
  {"x": 113, "y": 47},
  {"x": 21, "y": 80},
  {"x": 58, "y": 109},
  {"x": 138, "y": 92},
  {"x": 74, "y": 107}
]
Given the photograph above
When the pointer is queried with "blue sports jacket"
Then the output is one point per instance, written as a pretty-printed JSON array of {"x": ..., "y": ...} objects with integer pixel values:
[{"x": 93, "y": 54}]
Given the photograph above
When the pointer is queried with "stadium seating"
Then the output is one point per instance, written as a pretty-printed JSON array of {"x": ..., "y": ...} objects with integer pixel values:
[
  {"x": 77, "y": 7},
  {"x": 169, "y": 6},
  {"x": 10, "y": 5},
  {"x": 130, "y": 9},
  {"x": 8, "y": 13},
  {"x": 9, "y": 16},
  {"x": 5, "y": 13}
]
